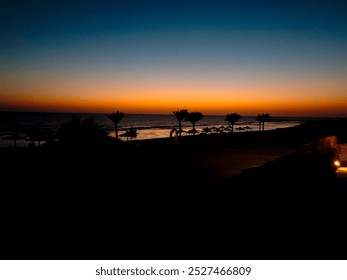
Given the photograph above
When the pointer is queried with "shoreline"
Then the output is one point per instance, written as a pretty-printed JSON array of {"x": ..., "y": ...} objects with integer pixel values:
[{"x": 147, "y": 125}]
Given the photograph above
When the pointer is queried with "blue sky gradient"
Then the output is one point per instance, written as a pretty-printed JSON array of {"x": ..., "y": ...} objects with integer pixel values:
[{"x": 172, "y": 42}]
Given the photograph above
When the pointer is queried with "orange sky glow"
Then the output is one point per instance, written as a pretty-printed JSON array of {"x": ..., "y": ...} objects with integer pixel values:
[
  {"x": 219, "y": 103},
  {"x": 215, "y": 58}
]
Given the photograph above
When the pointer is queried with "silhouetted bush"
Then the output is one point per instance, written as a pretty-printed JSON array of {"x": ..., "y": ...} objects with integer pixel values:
[
  {"x": 77, "y": 132},
  {"x": 40, "y": 135}
]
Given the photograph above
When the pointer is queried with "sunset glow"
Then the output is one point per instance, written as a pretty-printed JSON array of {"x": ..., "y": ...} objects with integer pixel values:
[{"x": 215, "y": 57}]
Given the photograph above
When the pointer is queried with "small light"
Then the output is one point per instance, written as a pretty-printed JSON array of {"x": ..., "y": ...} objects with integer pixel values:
[{"x": 337, "y": 163}]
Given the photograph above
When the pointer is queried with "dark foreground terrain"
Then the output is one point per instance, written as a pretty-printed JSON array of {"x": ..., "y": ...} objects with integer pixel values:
[{"x": 159, "y": 200}]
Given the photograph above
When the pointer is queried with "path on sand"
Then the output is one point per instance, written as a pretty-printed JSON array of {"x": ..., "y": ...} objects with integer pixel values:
[{"x": 223, "y": 163}]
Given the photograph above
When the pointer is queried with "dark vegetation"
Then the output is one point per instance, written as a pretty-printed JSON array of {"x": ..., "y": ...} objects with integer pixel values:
[
  {"x": 80, "y": 133},
  {"x": 232, "y": 119},
  {"x": 116, "y": 117}
]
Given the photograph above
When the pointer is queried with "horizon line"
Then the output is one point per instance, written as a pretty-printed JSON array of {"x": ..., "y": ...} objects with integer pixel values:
[{"x": 100, "y": 113}]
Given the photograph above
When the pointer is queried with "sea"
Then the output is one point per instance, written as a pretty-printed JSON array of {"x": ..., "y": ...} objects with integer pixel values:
[{"x": 148, "y": 126}]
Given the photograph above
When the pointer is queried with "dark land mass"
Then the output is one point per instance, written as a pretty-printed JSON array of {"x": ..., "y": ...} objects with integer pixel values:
[{"x": 154, "y": 199}]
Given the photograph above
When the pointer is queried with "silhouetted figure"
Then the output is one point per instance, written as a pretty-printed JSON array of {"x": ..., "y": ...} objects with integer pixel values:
[
  {"x": 116, "y": 117},
  {"x": 262, "y": 118},
  {"x": 194, "y": 117},
  {"x": 174, "y": 135},
  {"x": 180, "y": 115},
  {"x": 232, "y": 119}
]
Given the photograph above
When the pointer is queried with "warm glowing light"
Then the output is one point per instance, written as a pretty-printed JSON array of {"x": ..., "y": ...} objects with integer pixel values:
[
  {"x": 153, "y": 102},
  {"x": 342, "y": 172},
  {"x": 337, "y": 163}
]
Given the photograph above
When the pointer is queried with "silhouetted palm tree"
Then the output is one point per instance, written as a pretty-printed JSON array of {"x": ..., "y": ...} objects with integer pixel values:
[
  {"x": 180, "y": 116},
  {"x": 259, "y": 120},
  {"x": 232, "y": 119},
  {"x": 262, "y": 118},
  {"x": 116, "y": 117},
  {"x": 266, "y": 118},
  {"x": 194, "y": 117}
]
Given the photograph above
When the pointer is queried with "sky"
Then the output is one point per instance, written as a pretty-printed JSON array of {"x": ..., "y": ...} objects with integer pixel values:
[{"x": 286, "y": 58}]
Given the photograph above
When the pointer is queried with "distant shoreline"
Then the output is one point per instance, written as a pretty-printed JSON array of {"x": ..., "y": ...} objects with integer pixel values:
[
  {"x": 149, "y": 126},
  {"x": 295, "y": 135},
  {"x": 300, "y": 133}
]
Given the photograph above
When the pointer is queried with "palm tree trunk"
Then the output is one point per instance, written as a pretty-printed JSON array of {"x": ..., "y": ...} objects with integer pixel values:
[
  {"x": 259, "y": 125},
  {"x": 179, "y": 128},
  {"x": 263, "y": 126},
  {"x": 116, "y": 129},
  {"x": 232, "y": 127}
]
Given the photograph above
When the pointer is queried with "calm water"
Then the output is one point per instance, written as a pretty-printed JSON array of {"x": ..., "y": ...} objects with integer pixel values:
[{"x": 148, "y": 126}]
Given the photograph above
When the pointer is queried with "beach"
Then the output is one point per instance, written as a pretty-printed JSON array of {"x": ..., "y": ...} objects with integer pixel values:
[
  {"x": 137, "y": 192},
  {"x": 148, "y": 126}
]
